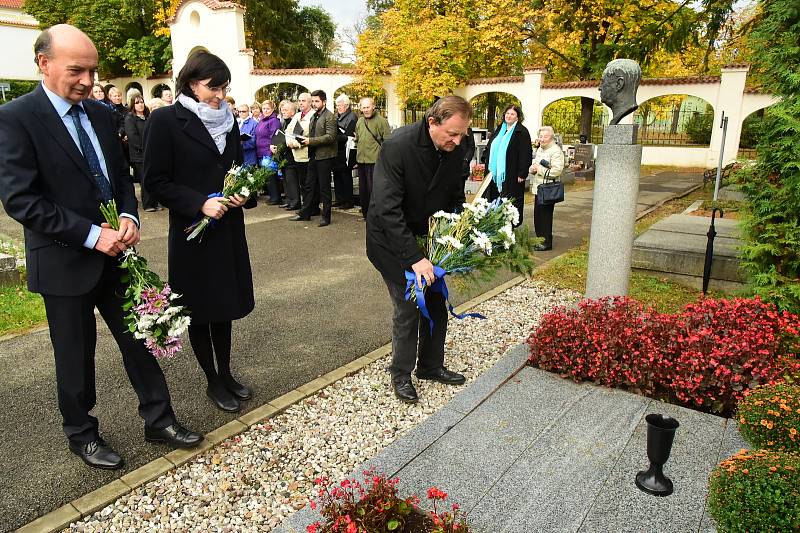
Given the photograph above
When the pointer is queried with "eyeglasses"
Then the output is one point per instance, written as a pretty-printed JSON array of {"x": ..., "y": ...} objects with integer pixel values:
[{"x": 225, "y": 89}]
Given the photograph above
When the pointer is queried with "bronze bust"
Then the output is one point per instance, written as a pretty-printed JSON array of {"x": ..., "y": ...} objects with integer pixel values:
[{"x": 621, "y": 79}]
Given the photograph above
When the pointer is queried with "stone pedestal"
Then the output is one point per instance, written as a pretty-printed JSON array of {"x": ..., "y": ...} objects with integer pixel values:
[{"x": 616, "y": 192}]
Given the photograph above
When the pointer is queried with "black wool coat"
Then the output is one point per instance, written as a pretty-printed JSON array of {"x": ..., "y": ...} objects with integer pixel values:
[
  {"x": 412, "y": 181},
  {"x": 182, "y": 166},
  {"x": 519, "y": 156}
]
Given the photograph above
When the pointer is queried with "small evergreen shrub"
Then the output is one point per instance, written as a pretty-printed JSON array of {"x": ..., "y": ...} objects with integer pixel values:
[
  {"x": 756, "y": 491},
  {"x": 769, "y": 417}
]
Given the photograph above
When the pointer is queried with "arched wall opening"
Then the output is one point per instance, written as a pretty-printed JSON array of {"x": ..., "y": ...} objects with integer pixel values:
[
  {"x": 751, "y": 131},
  {"x": 675, "y": 120},
  {"x": 357, "y": 91},
  {"x": 280, "y": 91},
  {"x": 488, "y": 109},
  {"x": 564, "y": 116}
]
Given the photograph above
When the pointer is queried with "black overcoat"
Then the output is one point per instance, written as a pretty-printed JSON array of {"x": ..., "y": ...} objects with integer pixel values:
[
  {"x": 182, "y": 166},
  {"x": 412, "y": 181},
  {"x": 519, "y": 155}
]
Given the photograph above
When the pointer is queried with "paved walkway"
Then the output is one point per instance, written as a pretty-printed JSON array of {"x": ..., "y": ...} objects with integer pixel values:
[
  {"x": 524, "y": 450},
  {"x": 319, "y": 306}
]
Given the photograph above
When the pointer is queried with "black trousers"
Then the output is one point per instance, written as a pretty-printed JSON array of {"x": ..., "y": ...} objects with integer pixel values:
[
  {"x": 73, "y": 334},
  {"x": 365, "y": 171},
  {"x": 148, "y": 201},
  {"x": 412, "y": 342},
  {"x": 318, "y": 187},
  {"x": 543, "y": 221},
  {"x": 343, "y": 181},
  {"x": 302, "y": 177},
  {"x": 292, "y": 185}
]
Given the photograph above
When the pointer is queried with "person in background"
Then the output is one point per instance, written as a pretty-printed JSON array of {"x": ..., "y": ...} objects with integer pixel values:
[
  {"x": 371, "y": 130},
  {"x": 134, "y": 129},
  {"x": 133, "y": 91},
  {"x": 99, "y": 93},
  {"x": 549, "y": 160},
  {"x": 266, "y": 128},
  {"x": 119, "y": 110},
  {"x": 156, "y": 103},
  {"x": 509, "y": 155},
  {"x": 231, "y": 102},
  {"x": 166, "y": 96},
  {"x": 291, "y": 181},
  {"x": 299, "y": 126},
  {"x": 188, "y": 149},
  {"x": 247, "y": 130},
  {"x": 468, "y": 148},
  {"x": 343, "y": 167}
]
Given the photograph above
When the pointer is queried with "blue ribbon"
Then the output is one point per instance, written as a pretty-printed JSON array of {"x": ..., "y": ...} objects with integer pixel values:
[{"x": 438, "y": 285}]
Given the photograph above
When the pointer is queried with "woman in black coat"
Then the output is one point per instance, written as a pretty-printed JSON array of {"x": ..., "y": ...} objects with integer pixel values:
[
  {"x": 134, "y": 130},
  {"x": 512, "y": 170},
  {"x": 189, "y": 147}
]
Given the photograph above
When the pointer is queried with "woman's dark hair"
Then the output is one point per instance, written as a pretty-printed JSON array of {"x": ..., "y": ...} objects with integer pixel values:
[
  {"x": 132, "y": 105},
  {"x": 518, "y": 109},
  {"x": 202, "y": 65}
]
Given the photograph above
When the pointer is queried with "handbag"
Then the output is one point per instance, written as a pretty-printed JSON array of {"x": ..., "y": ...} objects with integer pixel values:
[{"x": 551, "y": 191}]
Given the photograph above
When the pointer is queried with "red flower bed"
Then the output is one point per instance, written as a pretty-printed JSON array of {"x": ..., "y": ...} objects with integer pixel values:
[{"x": 704, "y": 357}]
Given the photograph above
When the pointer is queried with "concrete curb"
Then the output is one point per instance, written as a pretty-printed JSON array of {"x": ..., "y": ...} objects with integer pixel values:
[{"x": 89, "y": 503}]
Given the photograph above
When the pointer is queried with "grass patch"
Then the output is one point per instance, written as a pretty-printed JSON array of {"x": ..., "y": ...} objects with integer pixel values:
[{"x": 20, "y": 310}]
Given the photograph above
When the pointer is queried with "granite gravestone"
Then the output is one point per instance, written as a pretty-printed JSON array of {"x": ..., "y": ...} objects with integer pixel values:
[{"x": 616, "y": 189}]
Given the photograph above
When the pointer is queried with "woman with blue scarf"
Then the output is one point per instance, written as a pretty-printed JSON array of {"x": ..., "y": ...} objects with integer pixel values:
[{"x": 509, "y": 154}]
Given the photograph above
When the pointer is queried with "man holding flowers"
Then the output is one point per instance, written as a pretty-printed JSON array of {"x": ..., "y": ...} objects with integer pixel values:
[
  {"x": 55, "y": 172},
  {"x": 418, "y": 173}
]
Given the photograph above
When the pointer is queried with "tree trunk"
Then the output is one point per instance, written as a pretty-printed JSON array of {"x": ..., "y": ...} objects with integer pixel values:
[
  {"x": 587, "y": 109},
  {"x": 676, "y": 115},
  {"x": 491, "y": 110}
]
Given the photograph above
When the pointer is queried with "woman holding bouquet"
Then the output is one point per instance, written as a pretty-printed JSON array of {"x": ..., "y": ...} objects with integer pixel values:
[
  {"x": 509, "y": 154},
  {"x": 189, "y": 147}
]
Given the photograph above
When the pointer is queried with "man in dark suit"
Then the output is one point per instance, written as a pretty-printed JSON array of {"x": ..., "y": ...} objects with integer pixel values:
[
  {"x": 417, "y": 174},
  {"x": 60, "y": 159}
]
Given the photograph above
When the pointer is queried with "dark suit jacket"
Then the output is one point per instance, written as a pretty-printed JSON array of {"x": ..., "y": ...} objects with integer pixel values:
[
  {"x": 519, "y": 155},
  {"x": 134, "y": 129},
  {"x": 412, "y": 181},
  {"x": 182, "y": 166},
  {"x": 46, "y": 186}
]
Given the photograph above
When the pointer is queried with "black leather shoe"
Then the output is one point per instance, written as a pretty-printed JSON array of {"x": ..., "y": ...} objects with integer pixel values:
[
  {"x": 404, "y": 390},
  {"x": 242, "y": 392},
  {"x": 443, "y": 375},
  {"x": 297, "y": 218},
  {"x": 283, "y": 206},
  {"x": 542, "y": 248},
  {"x": 223, "y": 399},
  {"x": 97, "y": 454},
  {"x": 175, "y": 435},
  {"x": 324, "y": 222}
]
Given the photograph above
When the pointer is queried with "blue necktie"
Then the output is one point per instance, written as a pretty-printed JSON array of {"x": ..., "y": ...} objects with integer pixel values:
[{"x": 90, "y": 155}]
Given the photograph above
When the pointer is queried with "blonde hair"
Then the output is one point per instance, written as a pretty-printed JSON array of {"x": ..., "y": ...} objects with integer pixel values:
[
  {"x": 155, "y": 103},
  {"x": 268, "y": 102}
]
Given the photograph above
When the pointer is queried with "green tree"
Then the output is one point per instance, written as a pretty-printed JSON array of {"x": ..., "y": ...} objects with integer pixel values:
[{"x": 771, "y": 254}]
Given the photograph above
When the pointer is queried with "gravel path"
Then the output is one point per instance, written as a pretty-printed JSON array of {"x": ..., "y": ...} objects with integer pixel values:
[{"x": 253, "y": 481}]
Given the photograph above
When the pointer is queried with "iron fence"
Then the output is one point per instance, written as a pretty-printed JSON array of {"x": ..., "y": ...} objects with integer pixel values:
[{"x": 674, "y": 125}]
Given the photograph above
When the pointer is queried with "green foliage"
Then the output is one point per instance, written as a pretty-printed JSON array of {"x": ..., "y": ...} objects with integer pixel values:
[
  {"x": 142, "y": 56},
  {"x": 756, "y": 491},
  {"x": 769, "y": 417},
  {"x": 771, "y": 229},
  {"x": 19, "y": 309},
  {"x": 18, "y": 88},
  {"x": 699, "y": 127}
]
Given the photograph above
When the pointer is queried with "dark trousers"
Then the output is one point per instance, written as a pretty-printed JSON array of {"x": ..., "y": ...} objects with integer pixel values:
[
  {"x": 543, "y": 221},
  {"x": 343, "y": 182},
  {"x": 318, "y": 187},
  {"x": 365, "y": 171},
  {"x": 292, "y": 185},
  {"x": 302, "y": 177},
  {"x": 518, "y": 199},
  {"x": 412, "y": 342},
  {"x": 73, "y": 334},
  {"x": 274, "y": 189},
  {"x": 148, "y": 201}
]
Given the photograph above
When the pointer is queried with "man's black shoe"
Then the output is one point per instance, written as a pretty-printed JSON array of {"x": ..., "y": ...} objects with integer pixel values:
[
  {"x": 175, "y": 435},
  {"x": 283, "y": 206},
  {"x": 324, "y": 222},
  {"x": 443, "y": 375},
  {"x": 224, "y": 400},
  {"x": 542, "y": 248},
  {"x": 299, "y": 217},
  {"x": 404, "y": 390},
  {"x": 97, "y": 454}
]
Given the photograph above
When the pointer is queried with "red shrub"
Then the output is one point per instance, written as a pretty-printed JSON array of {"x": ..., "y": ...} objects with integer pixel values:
[{"x": 703, "y": 357}]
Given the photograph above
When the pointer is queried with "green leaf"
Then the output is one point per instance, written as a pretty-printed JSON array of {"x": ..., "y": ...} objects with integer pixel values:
[{"x": 393, "y": 524}]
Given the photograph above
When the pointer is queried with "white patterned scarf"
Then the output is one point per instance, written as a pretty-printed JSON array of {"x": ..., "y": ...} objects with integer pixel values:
[{"x": 218, "y": 122}]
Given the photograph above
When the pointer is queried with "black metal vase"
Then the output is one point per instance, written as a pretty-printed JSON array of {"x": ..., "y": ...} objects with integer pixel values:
[{"x": 660, "y": 434}]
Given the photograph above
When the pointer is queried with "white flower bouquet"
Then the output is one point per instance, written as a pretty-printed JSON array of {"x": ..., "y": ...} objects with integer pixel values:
[
  {"x": 153, "y": 315},
  {"x": 242, "y": 180}
]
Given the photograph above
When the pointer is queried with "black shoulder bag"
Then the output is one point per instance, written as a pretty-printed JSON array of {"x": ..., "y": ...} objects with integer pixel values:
[{"x": 551, "y": 191}]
